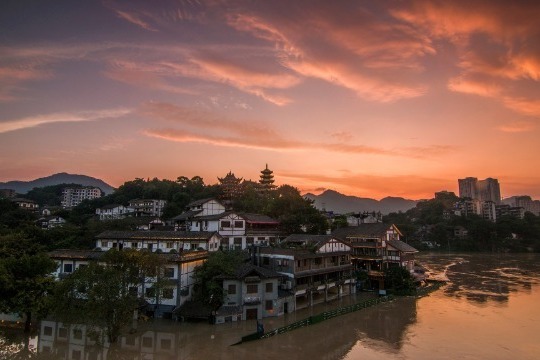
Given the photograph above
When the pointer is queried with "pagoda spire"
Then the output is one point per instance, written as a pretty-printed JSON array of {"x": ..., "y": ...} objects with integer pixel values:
[{"x": 266, "y": 181}]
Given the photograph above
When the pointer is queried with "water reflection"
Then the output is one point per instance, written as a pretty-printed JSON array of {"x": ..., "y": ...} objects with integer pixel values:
[{"x": 406, "y": 328}]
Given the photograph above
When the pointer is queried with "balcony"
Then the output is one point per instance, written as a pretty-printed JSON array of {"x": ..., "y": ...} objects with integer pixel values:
[{"x": 252, "y": 300}]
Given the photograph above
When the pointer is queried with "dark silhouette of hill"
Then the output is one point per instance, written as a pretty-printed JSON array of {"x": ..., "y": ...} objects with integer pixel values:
[
  {"x": 334, "y": 201},
  {"x": 22, "y": 187}
]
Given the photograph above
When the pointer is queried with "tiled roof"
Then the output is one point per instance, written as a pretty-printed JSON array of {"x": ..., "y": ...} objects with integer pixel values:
[
  {"x": 200, "y": 202},
  {"x": 259, "y": 218},
  {"x": 97, "y": 254},
  {"x": 110, "y": 206},
  {"x": 362, "y": 230},
  {"x": 186, "y": 215},
  {"x": 316, "y": 240},
  {"x": 213, "y": 217},
  {"x": 246, "y": 270},
  {"x": 401, "y": 246},
  {"x": 156, "y": 235},
  {"x": 76, "y": 254}
]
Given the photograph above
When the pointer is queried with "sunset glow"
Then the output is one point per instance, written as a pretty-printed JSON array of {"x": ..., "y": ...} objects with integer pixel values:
[{"x": 369, "y": 98}]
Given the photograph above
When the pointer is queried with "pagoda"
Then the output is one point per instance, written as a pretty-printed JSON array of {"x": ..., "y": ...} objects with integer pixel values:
[
  {"x": 230, "y": 185},
  {"x": 266, "y": 182}
]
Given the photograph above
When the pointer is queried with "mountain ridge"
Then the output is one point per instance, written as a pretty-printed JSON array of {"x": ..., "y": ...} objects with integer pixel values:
[
  {"x": 332, "y": 200},
  {"x": 22, "y": 187}
]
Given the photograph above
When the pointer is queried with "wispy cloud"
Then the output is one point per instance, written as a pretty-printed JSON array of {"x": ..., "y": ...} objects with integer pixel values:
[
  {"x": 497, "y": 45},
  {"x": 81, "y": 116},
  {"x": 210, "y": 128},
  {"x": 517, "y": 127},
  {"x": 348, "y": 46},
  {"x": 134, "y": 19}
]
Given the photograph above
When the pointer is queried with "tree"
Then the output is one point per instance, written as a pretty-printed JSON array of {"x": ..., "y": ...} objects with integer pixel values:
[
  {"x": 98, "y": 295},
  {"x": 25, "y": 280},
  {"x": 207, "y": 289},
  {"x": 398, "y": 280},
  {"x": 295, "y": 213}
]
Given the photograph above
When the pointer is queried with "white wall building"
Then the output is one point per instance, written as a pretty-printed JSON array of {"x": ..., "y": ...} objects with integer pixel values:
[{"x": 72, "y": 197}]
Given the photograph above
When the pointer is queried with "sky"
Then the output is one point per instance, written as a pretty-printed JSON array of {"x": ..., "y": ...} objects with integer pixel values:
[{"x": 368, "y": 98}]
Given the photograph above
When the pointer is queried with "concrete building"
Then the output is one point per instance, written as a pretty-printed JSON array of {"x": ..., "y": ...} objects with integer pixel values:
[
  {"x": 147, "y": 207},
  {"x": 317, "y": 268},
  {"x": 72, "y": 197},
  {"x": 483, "y": 190}
]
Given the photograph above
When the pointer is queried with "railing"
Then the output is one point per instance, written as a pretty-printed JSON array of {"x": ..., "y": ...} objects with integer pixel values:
[
  {"x": 316, "y": 319},
  {"x": 252, "y": 299}
]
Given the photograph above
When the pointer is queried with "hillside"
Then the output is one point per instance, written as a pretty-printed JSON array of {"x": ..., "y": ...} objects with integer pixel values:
[
  {"x": 22, "y": 187},
  {"x": 333, "y": 201}
]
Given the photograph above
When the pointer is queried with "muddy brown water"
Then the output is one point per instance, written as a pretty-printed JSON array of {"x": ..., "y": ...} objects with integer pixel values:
[{"x": 489, "y": 310}]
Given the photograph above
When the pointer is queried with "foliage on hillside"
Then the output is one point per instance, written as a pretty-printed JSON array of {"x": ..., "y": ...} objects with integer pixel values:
[{"x": 432, "y": 225}]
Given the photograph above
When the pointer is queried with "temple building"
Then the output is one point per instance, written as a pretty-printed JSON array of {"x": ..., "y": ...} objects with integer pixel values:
[
  {"x": 266, "y": 182},
  {"x": 231, "y": 186}
]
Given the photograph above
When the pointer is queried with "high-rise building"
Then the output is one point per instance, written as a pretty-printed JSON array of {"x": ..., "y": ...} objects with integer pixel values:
[
  {"x": 467, "y": 187},
  {"x": 72, "y": 197},
  {"x": 489, "y": 190},
  {"x": 483, "y": 190}
]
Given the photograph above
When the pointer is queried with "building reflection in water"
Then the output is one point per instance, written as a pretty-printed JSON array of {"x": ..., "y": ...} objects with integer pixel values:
[{"x": 385, "y": 324}]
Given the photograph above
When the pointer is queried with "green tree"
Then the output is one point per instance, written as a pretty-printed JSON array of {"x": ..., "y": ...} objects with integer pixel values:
[
  {"x": 207, "y": 289},
  {"x": 398, "y": 280},
  {"x": 25, "y": 280},
  {"x": 98, "y": 296}
]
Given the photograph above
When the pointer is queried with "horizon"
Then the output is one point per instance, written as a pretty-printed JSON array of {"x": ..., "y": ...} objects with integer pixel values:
[
  {"x": 315, "y": 192},
  {"x": 370, "y": 99}
]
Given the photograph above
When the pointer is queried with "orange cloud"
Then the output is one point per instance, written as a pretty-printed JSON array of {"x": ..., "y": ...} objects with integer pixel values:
[
  {"x": 523, "y": 105},
  {"x": 134, "y": 19},
  {"x": 517, "y": 127},
  {"x": 256, "y": 134},
  {"x": 33, "y": 121},
  {"x": 346, "y": 46}
]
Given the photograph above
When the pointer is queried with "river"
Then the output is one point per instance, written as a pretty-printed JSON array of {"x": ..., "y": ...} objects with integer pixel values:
[{"x": 489, "y": 310}]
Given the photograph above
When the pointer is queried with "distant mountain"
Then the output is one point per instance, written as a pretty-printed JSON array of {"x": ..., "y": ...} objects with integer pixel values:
[
  {"x": 22, "y": 187},
  {"x": 333, "y": 201}
]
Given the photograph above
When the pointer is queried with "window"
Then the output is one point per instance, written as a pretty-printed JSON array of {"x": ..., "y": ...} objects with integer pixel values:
[
  {"x": 68, "y": 268},
  {"x": 170, "y": 244},
  {"x": 166, "y": 344},
  {"x": 225, "y": 224},
  {"x": 239, "y": 224},
  {"x": 169, "y": 272},
  {"x": 250, "y": 240},
  {"x": 269, "y": 287},
  {"x": 238, "y": 242},
  {"x": 268, "y": 305},
  {"x": 168, "y": 293},
  {"x": 77, "y": 334},
  {"x": 114, "y": 245},
  {"x": 252, "y": 289},
  {"x": 130, "y": 341},
  {"x": 62, "y": 332},
  {"x": 134, "y": 245},
  {"x": 231, "y": 289},
  {"x": 104, "y": 244},
  {"x": 76, "y": 354},
  {"x": 318, "y": 261},
  {"x": 47, "y": 330},
  {"x": 150, "y": 292},
  {"x": 147, "y": 341}
]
